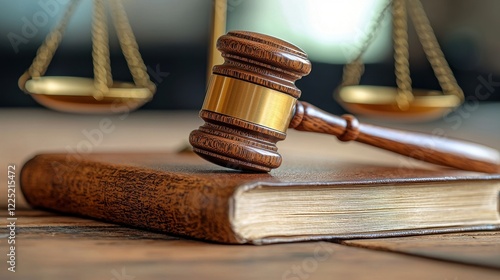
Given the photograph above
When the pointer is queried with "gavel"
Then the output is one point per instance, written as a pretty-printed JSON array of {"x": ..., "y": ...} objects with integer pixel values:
[{"x": 252, "y": 99}]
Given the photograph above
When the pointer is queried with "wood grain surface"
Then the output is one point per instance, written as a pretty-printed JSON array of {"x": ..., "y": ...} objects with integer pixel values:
[
  {"x": 480, "y": 248},
  {"x": 94, "y": 250}
]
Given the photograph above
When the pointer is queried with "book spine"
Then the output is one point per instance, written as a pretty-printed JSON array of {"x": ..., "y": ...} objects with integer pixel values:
[{"x": 167, "y": 202}]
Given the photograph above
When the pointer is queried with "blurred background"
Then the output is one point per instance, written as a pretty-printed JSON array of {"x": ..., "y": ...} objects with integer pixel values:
[{"x": 173, "y": 36}]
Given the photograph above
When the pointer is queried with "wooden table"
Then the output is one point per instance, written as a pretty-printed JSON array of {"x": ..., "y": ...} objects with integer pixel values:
[{"x": 54, "y": 246}]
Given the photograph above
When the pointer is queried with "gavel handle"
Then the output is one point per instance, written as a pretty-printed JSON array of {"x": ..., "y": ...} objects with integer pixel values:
[{"x": 443, "y": 151}]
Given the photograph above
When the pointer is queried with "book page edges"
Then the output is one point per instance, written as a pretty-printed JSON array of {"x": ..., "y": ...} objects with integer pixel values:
[{"x": 362, "y": 235}]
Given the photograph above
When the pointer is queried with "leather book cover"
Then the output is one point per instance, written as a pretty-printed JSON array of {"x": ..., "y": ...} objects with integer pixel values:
[{"x": 182, "y": 194}]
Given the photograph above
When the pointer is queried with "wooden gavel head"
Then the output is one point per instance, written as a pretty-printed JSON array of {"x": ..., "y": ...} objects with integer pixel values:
[{"x": 250, "y": 101}]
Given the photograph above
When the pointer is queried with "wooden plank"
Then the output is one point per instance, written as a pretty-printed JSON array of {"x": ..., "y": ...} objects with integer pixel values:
[
  {"x": 28, "y": 213},
  {"x": 476, "y": 248},
  {"x": 28, "y": 218},
  {"x": 36, "y": 224},
  {"x": 69, "y": 250}
]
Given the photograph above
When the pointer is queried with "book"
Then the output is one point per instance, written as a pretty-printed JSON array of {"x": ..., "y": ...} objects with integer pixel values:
[{"x": 305, "y": 199}]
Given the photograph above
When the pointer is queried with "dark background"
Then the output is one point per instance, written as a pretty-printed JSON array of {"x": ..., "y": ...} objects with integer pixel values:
[{"x": 173, "y": 36}]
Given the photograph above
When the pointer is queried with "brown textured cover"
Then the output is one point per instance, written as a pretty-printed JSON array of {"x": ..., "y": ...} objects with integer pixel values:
[{"x": 183, "y": 195}]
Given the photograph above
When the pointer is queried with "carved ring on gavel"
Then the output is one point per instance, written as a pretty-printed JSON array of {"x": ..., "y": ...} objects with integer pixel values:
[{"x": 251, "y": 100}]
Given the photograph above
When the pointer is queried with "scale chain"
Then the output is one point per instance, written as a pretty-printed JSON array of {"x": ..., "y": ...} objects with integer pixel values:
[
  {"x": 354, "y": 70},
  {"x": 401, "y": 54},
  {"x": 46, "y": 51},
  {"x": 432, "y": 50},
  {"x": 100, "y": 51},
  {"x": 129, "y": 46}
]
